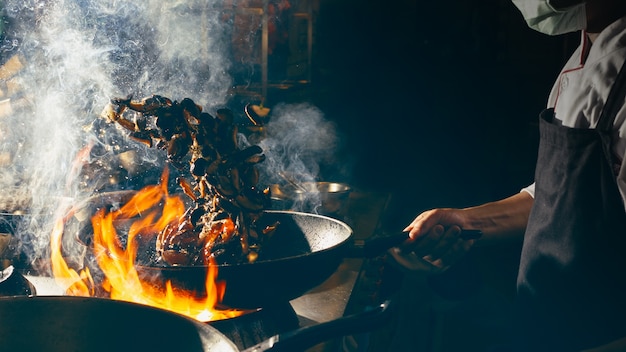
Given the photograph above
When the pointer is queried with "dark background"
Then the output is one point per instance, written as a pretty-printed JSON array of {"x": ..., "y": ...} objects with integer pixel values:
[{"x": 436, "y": 101}]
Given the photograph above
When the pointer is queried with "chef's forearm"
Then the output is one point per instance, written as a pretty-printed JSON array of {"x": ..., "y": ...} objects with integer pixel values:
[{"x": 505, "y": 219}]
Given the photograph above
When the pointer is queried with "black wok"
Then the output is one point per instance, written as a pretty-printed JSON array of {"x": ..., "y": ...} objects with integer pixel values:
[
  {"x": 66, "y": 323},
  {"x": 302, "y": 253}
]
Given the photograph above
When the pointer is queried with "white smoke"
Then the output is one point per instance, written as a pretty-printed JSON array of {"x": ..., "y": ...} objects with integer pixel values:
[
  {"x": 76, "y": 55},
  {"x": 298, "y": 139}
]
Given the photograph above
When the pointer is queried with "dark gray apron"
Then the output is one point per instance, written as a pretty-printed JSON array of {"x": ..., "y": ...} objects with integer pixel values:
[{"x": 572, "y": 277}]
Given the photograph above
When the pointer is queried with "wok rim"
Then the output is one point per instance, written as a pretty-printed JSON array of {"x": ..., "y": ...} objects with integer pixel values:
[{"x": 340, "y": 244}]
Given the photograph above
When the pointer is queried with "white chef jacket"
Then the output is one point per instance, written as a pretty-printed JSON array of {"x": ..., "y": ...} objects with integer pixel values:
[{"x": 582, "y": 87}]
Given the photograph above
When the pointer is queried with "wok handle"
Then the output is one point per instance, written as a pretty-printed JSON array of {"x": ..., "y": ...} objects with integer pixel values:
[
  {"x": 306, "y": 337},
  {"x": 376, "y": 246}
]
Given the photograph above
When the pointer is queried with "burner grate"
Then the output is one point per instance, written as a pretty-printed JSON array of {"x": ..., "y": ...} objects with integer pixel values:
[{"x": 252, "y": 328}]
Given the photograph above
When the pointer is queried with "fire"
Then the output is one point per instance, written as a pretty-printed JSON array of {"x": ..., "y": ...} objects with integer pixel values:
[{"x": 149, "y": 211}]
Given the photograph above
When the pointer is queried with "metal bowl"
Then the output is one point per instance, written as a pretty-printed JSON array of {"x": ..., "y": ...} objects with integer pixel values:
[{"x": 327, "y": 198}]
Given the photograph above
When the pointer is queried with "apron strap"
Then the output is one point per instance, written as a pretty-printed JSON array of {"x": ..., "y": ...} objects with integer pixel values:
[{"x": 613, "y": 102}]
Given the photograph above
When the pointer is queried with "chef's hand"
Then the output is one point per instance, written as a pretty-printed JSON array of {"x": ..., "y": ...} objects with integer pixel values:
[{"x": 434, "y": 242}]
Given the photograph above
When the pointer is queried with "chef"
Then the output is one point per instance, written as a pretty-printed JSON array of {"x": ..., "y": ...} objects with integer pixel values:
[{"x": 571, "y": 285}]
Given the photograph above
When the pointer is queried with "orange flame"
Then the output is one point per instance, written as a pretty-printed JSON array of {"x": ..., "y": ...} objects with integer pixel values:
[{"x": 122, "y": 281}]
